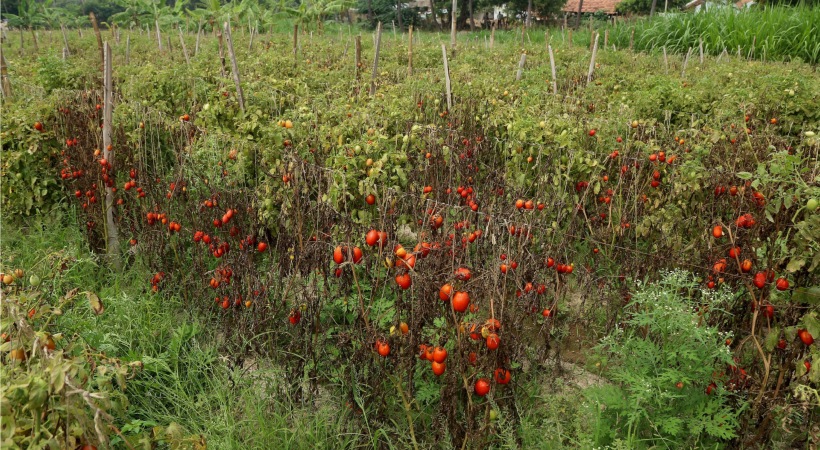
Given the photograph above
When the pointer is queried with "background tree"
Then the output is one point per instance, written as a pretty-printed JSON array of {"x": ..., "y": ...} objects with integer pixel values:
[{"x": 29, "y": 15}]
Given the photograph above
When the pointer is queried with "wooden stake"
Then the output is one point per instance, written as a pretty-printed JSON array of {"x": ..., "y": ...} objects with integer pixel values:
[
  {"x": 99, "y": 37},
  {"x": 221, "y": 54},
  {"x": 521, "y": 63},
  {"x": 685, "y": 62},
  {"x": 447, "y": 78},
  {"x": 295, "y": 42},
  {"x": 492, "y": 37},
  {"x": 552, "y": 67},
  {"x": 606, "y": 38},
  {"x": 358, "y": 56},
  {"x": 198, "y": 35},
  {"x": 700, "y": 46},
  {"x": 410, "y": 51},
  {"x": 159, "y": 35},
  {"x": 569, "y": 37},
  {"x": 250, "y": 41},
  {"x": 65, "y": 40},
  {"x": 234, "y": 67},
  {"x": 665, "y": 60},
  {"x": 112, "y": 241},
  {"x": 376, "y": 59},
  {"x": 592, "y": 61},
  {"x": 631, "y": 39},
  {"x": 4, "y": 75},
  {"x": 128, "y": 49},
  {"x": 184, "y": 48}
]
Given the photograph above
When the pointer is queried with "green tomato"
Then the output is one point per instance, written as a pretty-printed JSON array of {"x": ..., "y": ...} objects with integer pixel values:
[
  {"x": 811, "y": 205},
  {"x": 34, "y": 280},
  {"x": 493, "y": 414}
]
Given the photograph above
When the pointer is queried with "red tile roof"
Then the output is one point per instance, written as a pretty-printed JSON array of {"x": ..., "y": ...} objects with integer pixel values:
[{"x": 591, "y": 6}]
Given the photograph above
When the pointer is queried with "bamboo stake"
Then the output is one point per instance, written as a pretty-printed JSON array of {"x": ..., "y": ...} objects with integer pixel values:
[
  {"x": 221, "y": 54},
  {"x": 184, "y": 48},
  {"x": 376, "y": 59},
  {"x": 358, "y": 56},
  {"x": 521, "y": 63},
  {"x": 447, "y": 78},
  {"x": 65, "y": 40},
  {"x": 234, "y": 66},
  {"x": 4, "y": 75},
  {"x": 128, "y": 49},
  {"x": 592, "y": 61},
  {"x": 700, "y": 46},
  {"x": 112, "y": 243},
  {"x": 295, "y": 42},
  {"x": 665, "y": 61},
  {"x": 410, "y": 51},
  {"x": 159, "y": 35},
  {"x": 685, "y": 62},
  {"x": 198, "y": 36},
  {"x": 552, "y": 67}
]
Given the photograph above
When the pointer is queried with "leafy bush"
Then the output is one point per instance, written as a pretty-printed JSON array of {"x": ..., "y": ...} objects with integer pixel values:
[
  {"x": 57, "y": 392},
  {"x": 665, "y": 364}
]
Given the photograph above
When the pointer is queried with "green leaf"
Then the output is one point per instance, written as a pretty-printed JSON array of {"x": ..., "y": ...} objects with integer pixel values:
[
  {"x": 744, "y": 175},
  {"x": 810, "y": 295},
  {"x": 795, "y": 264}
]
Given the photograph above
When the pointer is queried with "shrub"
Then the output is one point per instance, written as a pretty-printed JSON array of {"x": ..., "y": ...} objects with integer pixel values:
[{"x": 664, "y": 363}]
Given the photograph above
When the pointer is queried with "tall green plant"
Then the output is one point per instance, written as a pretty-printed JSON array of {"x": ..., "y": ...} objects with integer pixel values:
[{"x": 664, "y": 364}]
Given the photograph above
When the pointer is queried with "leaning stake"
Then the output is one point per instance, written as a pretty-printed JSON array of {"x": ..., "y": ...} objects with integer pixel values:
[
  {"x": 234, "y": 67},
  {"x": 447, "y": 78}
]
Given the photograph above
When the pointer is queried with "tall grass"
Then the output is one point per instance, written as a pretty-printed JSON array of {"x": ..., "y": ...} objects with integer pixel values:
[{"x": 771, "y": 33}]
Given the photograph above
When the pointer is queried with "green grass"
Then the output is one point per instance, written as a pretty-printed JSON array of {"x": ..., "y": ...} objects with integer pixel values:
[
  {"x": 772, "y": 33},
  {"x": 186, "y": 388}
]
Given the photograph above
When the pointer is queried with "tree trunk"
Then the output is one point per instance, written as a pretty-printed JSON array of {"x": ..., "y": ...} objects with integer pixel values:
[
  {"x": 529, "y": 13},
  {"x": 34, "y": 37},
  {"x": 433, "y": 15},
  {"x": 370, "y": 10},
  {"x": 578, "y": 16},
  {"x": 472, "y": 20},
  {"x": 652, "y": 9},
  {"x": 398, "y": 12}
]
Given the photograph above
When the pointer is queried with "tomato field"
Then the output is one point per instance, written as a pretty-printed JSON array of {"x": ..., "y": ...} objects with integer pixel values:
[{"x": 331, "y": 237}]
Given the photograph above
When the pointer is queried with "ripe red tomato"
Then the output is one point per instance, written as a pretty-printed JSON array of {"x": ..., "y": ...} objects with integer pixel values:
[
  {"x": 760, "y": 280},
  {"x": 438, "y": 368},
  {"x": 370, "y": 199},
  {"x": 493, "y": 341},
  {"x": 717, "y": 231},
  {"x": 261, "y": 247},
  {"x": 38, "y": 126},
  {"x": 782, "y": 284},
  {"x": 461, "y": 300},
  {"x": 445, "y": 292},
  {"x": 371, "y": 238},
  {"x": 383, "y": 348},
  {"x": 482, "y": 387},
  {"x": 338, "y": 255},
  {"x": 439, "y": 354},
  {"x": 404, "y": 281},
  {"x": 805, "y": 337}
]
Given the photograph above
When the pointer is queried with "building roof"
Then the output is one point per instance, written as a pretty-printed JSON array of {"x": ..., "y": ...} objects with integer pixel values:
[{"x": 592, "y": 6}]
